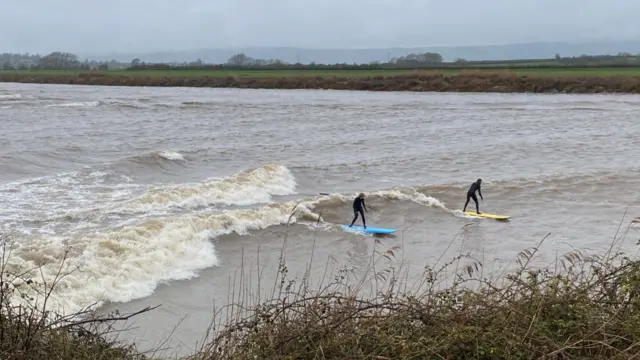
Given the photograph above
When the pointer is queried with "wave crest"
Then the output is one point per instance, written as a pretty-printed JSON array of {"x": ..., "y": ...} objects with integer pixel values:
[{"x": 245, "y": 188}]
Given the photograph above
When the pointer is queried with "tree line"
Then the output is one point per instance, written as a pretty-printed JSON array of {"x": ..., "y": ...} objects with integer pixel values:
[
  {"x": 243, "y": 61},
  {"x": 57, "y": 60},
  {"x": 68, "y": 61}
]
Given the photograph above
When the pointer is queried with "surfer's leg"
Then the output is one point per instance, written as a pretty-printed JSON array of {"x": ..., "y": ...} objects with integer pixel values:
[
  {"x": 467, "y": 203},
  {"x": 355, "y": 217},
  {"x": 475, "y": 200},
  {"x": 364, "y": 222}
]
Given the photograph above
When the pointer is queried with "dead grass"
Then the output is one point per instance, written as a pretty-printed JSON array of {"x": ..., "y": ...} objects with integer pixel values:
[{"x": 29, "y": 332}]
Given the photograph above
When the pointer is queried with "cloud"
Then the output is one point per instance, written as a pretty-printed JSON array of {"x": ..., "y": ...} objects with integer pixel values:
[{"x": 118, "y": 25}]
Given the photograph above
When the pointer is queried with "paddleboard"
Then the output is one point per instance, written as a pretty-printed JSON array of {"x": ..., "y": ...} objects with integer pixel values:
[
  {"x": 489, "y": 216},
  {"x": 369, "y": 229}
]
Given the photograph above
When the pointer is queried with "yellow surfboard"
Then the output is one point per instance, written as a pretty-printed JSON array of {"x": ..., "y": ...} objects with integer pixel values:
[{"x": 489, "y": 216}]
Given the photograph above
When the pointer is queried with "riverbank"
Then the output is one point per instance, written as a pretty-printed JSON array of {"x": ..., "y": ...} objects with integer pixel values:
[
  {"x": 503, "y": 81},
  {"x": 580, "y": 307}
]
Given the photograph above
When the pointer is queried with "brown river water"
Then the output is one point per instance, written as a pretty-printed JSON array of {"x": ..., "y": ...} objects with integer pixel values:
[{"x": 163, "y": 193}]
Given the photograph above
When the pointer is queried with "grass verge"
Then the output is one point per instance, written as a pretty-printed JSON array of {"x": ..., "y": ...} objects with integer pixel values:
[{"x": 580, "y": 307}]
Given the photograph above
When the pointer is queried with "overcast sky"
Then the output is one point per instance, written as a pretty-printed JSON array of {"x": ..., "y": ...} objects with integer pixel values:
[{"x": 95, "y": 27}]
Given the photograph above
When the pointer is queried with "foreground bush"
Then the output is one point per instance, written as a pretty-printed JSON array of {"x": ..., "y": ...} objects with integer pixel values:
[
  {"x": 478, "y": 81},
  {"x": 29, "y": 332},
  {"x": 585, "y": 307}
]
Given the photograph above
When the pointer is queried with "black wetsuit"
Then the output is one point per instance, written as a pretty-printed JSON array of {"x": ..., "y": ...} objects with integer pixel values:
[
  {"x": 358, "y": 205},
  {"x": 471, "y": 194}
]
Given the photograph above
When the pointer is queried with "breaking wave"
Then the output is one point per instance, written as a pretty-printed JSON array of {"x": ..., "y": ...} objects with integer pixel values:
[
  {"x": 154, "y": 157},
  {"x": 246, "y": 188},
  {"x": 76, "y": 104},
  {"x": 128, "y": 262}
]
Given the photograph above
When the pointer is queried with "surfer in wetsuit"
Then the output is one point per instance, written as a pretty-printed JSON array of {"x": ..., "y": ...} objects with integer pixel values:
[
  {"x": 358, "y": 205},
  {"x": 471, "y": 194}
]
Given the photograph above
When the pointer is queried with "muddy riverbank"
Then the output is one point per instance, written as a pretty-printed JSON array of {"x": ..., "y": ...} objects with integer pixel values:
[{"x": 504, "y": 83}]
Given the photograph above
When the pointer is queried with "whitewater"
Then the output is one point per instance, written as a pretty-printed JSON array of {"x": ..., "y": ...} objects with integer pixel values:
[{"x": 160, "y": 195}]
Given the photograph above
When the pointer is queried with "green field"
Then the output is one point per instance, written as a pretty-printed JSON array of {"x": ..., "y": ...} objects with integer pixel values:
[
  {"x": 223, "y": 73},
  {"x": 601, "y": 72}
]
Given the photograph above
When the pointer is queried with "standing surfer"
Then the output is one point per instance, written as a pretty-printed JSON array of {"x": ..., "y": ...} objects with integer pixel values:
[
  {"x": 358, "y": 205},
  {"x": 471, "y": 194}
]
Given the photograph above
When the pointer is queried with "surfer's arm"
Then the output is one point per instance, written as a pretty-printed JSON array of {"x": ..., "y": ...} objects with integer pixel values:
[
  {"x": 480, "y": 193},
  {"x": 364, "y": 206}
]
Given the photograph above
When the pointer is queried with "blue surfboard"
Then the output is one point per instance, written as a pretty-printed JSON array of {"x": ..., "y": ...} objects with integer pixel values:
[{"x": 369, "y": 229}]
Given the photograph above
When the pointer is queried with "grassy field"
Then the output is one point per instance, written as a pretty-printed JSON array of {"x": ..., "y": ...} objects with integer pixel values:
[{"x": 557, "y": 72}]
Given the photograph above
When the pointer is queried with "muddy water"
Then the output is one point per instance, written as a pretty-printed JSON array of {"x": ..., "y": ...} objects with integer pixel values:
[{"x": 164, "y": 194}]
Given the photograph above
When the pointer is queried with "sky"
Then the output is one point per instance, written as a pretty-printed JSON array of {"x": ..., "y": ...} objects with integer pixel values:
[{"x": 97, "y": 27}]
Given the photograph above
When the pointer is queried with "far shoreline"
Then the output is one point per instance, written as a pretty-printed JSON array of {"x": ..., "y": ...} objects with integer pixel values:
[{"x": 484, "y": 81}]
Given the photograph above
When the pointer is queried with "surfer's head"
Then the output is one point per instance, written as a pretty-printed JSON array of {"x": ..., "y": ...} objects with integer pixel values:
[
  {"x": 479, "y": 181},
  {"x": 361, "y": 196}
]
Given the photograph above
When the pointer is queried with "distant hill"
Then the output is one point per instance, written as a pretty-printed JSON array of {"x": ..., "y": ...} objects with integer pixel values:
[{"x": 332, "y": 56}]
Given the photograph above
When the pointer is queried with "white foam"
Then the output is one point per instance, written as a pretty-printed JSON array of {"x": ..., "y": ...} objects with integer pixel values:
[
  {"x": 10, "y": 96},
  {"x": 86, "y": 197},
  {"x": 171, "y": 155},
  {"x": 404, "y": 194},
  {"x": 128, "y": 263},
  {"x": 411, "y": 195},
  {"x": 245, "y": 188},
  {"x": 76, "y": 104},
  {"x": 61, "y": 197}
]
